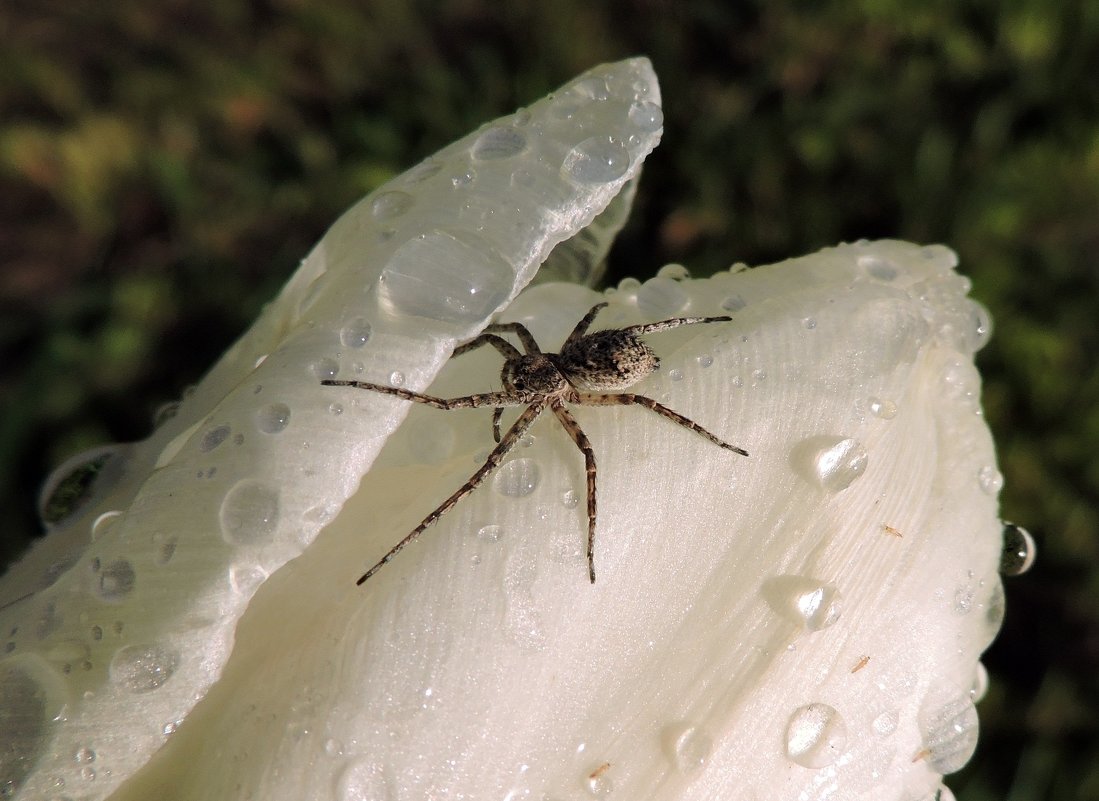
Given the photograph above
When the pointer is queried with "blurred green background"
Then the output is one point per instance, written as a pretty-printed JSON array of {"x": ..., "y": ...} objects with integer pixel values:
[{"x": 164, "y": 167}]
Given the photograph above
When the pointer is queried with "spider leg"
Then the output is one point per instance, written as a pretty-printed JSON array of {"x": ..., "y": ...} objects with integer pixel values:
[
  {"x": 507, "y": 350},
  {"x": 675, "y": 322},
  {"x": 629, "y": 399},
  {"x": 582, "y": 326},
  {"x": 497, "y": 399},
  {"x": 517, "y": 430},
  {"x": 582, "y": 442},
  {"x": 496, "y": 414}
]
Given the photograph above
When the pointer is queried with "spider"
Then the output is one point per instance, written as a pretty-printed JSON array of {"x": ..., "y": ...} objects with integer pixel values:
[{"x": 611, "y": 359}]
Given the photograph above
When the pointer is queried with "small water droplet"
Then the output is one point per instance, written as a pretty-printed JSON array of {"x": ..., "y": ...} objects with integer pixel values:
[
  {"x": 499, "y": 142},
  {"x": 390, "y": 205},
  {"x": 490, "y": 533},
  {"x": 325, "y": 368},
  {"x": 244, "y": 579},
  {"x": 882, "y": 409},
  {"x": 87, "y": 773},
  {"x": 661, "y": 298},
  {"x": 115, "y": 581},
  {"x": 809, "y": 322},
  {"x": 598, "y": 781},
  {"x": 980, "y": 683},
  {"x": 396, "y": 379},
  {"x": 169, "y": 728},
  {"x": 1019, "y": 550},
  {"x": 948, "y": 726},
  {"x": 963, "y": 599},
  {"x": 214, "y": 437},
  {"x": 980, "y": 327},
  {"x": 363, "y": 779},
  {"x": 144, "y": 667},
  {"x": 687, "y": 746},
  {"x": 333, "y": 747},
  {"x": 886, "y": 723},
  {"x": 832, "y": 463},
  {"x": 675, "y": 374},
  {"x": 705, "y": 360},
  {"x": 758, "y": 375},
  {"x": 815, "y": 736},
  {"x": 249, "y": 513},
  {"x": 646, "y": 116},
  {"x": 875, "y": 267},
  {"x": 812, "y": 604},
  {"x": 464, "y": 178},
  {"x": 990, "y": 480},
  {"x": 675, "y": 272},
  {"x": 517, "y": 478},
  {"x": 335, "y": 408},
  {"x": 597, "y": 160},
  {"x": 733, "y": 303},
  {"x": 570, "y": 499},
  {"x": 84, "y": 756},
  {"x": 273, "y": 418},
  {"x": 356, "y": 333}
]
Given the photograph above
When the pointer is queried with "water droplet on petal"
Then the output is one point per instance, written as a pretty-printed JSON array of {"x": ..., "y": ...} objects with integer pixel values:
[
  {"x": 597, "y": 160},
  {"x": 249, "y": 513},
  {"x": 661, "y": 298},
  {"x": 325, "y": 368},
  {"x": 815, "y": 736},
  {"x": 676, "y": 272},
  {"x": 214, "y": 437},
  {"x": 948, "y": 726},
  {"x": 705, "y": 360},
  {"x": 499, "y": 142},
  {"x": 812, "y": 604},
  {"x": 648, "y": 117},
  {"x": 517, "y": 478},
  {"x": 886, "y": 723},
  {"x": 882, "y": 269},
  {"x": 362, "y": 779},
  {"x": 390, "y": 205},
  {"x": 882, "y": 409},
  {"x": 356, "y": 333},
  {"x": 70, "y": 486},
  {"x": 990, "y": 480},
  {"x": 115, "y": 581},
  {"x": 733, "y": 303},
  {"x": 142, "y": 668},
  {"x": 273, "y": 418},
  {"x": 980, "y": 683},
  {"x": 980, "y": 327},
  {"x": 832, "y": 463},
  {"x": 84, "y": 756},
  {"x": 396, "y": 379},
  {"x": 687, "y": 746},
  {"x": 105, "y": 524},
  {"x": 570, "y": 499},
  {"x": 1019, "y": 550},
  {"x": 490, "y": 533},
  {"x": 598, "y": 783}
]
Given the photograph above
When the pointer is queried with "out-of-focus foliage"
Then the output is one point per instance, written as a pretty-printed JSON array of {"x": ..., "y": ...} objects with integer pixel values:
[{"x": 164, "y": 166}]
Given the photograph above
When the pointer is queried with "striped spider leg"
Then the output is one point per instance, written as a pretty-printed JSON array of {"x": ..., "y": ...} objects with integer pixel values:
[{"x": 586, "y": 366}]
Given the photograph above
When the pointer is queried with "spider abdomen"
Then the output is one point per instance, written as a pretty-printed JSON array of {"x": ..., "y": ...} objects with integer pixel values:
[{"x": 611, "y": 359}]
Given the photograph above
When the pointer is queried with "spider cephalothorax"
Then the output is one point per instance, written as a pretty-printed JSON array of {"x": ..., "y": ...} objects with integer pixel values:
[{"x": 616, "y": 358}]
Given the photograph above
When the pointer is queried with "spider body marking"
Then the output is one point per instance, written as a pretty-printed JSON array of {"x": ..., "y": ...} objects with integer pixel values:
[{"x": 580, "y": 374}]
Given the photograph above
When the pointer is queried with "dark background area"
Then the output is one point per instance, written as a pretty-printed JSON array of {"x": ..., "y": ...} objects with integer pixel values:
[{"x": 164, "y": 167}]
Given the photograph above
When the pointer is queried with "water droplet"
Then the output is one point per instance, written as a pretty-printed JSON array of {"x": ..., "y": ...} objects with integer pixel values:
[
  {"x": 812, "y": 604},
  {"x": 333, "y": 747},
  {"x": 832, "y": 463},
  {"x": 815, "y": 736},
  {"x": 362, "y": 779},
  {"x": 115, "y": 581},
  {"x": 592, "y": 87},
  {"x": 249, "y": 513},
  {"x": 244, "y": 579},
  {"x": 661, "y": 298},
  {"x": 356, "y": 333},
  {"x": 980, "y": 683},
  {"x": 87, "y": 773},
  {"x": 687, "y": 746},
  {"x": 390, "y": 205},
  {"x": 396, "y": 379},
  {"x": 980, "y": 327},
  {"x": 948, "y": 726},
  {"x": 570, "y": 499},
  {"x": 490, "y": 533},
  {"x": 73, "y": 484},
  {"x": 464, "y": 178},
  {"x": 516, "y": 478},
  {"x": 499, "y": 142},
  {"x": 809, "y": 322},
  {"x": 144, "y": 667},
  {"x": 335, "y": 408},
  {"x": 169, "y": 728},
  {"x": 676, "y": 272},
  {"x": 886, "y": 723},
  {"x": 105, "y": 523},
  {"x": 273, "y": 418},
  {"x": 963, "y": 599},
  {"x": 214, "y": 437},
  {"x": 705, "y": 360},
  {"x": 882, "y": 269},
  {"x": 675, "y": 374},
  {"x": 597, "y": 160},
  {"x": 733, "y": 303},
  {"x": 412, "y": 284},
  {"x": 990, "y": 480},
  {"x": 882, "y": 409},
  {"x": 325, "y": 368},
  {"x": 84, "y": 756},
  {"x": 1019, "y": 550},
  {"x": 648, "y": 117}
]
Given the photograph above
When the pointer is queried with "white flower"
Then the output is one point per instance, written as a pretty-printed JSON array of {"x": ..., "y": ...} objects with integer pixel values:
[{"x": 802, "y": 623}]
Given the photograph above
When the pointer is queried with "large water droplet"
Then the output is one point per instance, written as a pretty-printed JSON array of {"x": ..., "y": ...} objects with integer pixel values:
[
  {"x": 390, "y": 205},
  {"x": 474, "y": 284},
  {"x": 249, "y": 513},
  {"x": 144, "y": 667},
  {"x": 1019, "y": 550},
  {"x": 356, "y": 333},
  {"x": 687, "y": 746},
  {"x": 517, "y": 478},
  {"x": 661, "y": 298},
  {"x": 32, "y": 697},
  {"x": 815, "y": 736},
  {"x": 597, "y": 160},
  {"x": 499, "y": 142},
  {"x": 273, "y": 418},
  {"x": 832, "y": 463},
  {"x": 115, "y": 580},
  {"x": 808, "y": 602},
  {"x": 948, "y": 725}
]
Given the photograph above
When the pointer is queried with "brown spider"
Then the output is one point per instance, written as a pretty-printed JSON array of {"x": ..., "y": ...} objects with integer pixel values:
[{"x": 612, "y": 359}]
